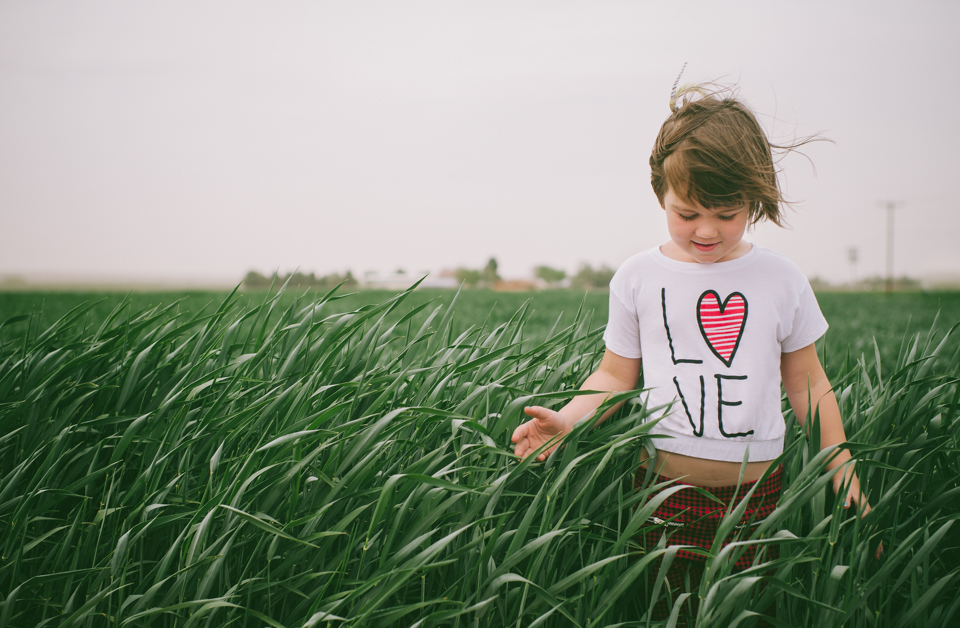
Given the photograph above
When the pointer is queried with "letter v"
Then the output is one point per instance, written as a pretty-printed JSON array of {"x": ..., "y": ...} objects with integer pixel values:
[{"x": 687, "y": 410}]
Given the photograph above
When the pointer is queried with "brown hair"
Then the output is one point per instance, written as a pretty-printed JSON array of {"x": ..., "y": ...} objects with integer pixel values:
[{"x": 712, "y": 151}]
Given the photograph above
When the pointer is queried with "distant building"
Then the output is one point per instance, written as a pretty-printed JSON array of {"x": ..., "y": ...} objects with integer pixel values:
[
  {"x": 401, "y": 281},
  {"x": 517, "y": 285}
]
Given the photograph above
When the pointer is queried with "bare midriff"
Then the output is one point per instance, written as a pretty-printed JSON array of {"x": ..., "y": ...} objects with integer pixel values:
[{"x": 702, "y": 472}]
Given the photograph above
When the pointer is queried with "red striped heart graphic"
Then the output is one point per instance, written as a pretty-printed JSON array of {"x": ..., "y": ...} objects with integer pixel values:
[{"x": 722, "y": 323}]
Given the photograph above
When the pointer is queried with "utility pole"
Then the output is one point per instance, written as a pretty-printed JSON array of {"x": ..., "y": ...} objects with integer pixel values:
[
  {"x": 852, "y": 256},
  {"x": 890, "y": 205}
]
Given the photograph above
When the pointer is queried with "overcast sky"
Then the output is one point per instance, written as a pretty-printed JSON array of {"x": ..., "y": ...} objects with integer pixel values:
[{"x": 204, "y": 139}]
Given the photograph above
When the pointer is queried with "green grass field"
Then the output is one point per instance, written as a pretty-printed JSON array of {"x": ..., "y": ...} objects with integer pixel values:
[
  {"x": 290, "y": 460},
  {"x": 856, "y": 319}
]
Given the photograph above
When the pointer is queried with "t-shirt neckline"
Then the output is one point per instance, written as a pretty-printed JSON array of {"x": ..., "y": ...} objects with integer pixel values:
[{"x": 720, "y": 267}]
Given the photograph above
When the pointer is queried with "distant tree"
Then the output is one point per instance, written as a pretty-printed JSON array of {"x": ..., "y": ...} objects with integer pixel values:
[
  {"x": 255, "y": 280},
  {"x": 489, "y": 273},
  {"x": 879, "y": 284},
  {"x": 588, "y": 278},
  {"x": 467, "y": 276},
  {"x": 472, "y": 278},
  {"x": 550, "y": 275},
  {"x": 335, "y": 279},
  {"x": 299, "y": 280}
]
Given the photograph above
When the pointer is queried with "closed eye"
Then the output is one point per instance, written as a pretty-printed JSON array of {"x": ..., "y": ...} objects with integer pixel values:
[
  {"x": 687, "y": 217},
  {"x": 726, "y": 216}
]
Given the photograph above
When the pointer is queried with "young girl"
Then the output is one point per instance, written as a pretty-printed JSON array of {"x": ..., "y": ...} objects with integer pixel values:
[{"x": 717, "y": 323}]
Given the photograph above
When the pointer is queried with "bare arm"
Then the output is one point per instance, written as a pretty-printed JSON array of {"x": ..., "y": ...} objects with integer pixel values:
[
  {"x": 803, "y": 379},
  {"x": 615, "y": 374}
]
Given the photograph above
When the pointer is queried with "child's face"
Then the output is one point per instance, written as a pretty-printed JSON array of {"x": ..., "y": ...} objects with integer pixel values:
[{"x": 704, "y": 235}]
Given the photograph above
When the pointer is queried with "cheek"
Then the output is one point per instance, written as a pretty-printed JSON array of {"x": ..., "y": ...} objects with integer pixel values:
[
  {"x": 679, "y": 227},
  {"x": 736, "y": 227}
]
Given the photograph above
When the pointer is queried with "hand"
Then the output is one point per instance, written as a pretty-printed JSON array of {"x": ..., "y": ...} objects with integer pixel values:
[
  {"x": 544, "y": 426},
  {"x": 847, "y": 480}
]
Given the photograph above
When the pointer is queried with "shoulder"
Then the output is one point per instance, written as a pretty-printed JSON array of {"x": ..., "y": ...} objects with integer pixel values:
[
  {"x": 633, "y": 269},
  {"x": 779, "y": 266}
]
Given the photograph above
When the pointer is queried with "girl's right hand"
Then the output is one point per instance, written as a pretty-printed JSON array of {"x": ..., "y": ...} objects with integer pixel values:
[{"x": 544, "y": 426}]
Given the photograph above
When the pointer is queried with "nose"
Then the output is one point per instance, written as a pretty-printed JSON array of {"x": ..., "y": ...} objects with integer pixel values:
[{"x": 706, "y": 229}]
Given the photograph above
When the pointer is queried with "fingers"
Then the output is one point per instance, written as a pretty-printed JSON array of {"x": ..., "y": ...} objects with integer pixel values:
[
  {"x": 852, "y": 493},
  {"x": 864, "y": 508},
  {"x": 543, "y": 456},
  {"x": 530, "y": 435},
  {"x": 858, "y": 498},
  {"x": 853, "y": 498},
  {"x": 521, "y": 448},
  {"x": 526, "y": 430},
  {"x": 544, "y": 425},
  {"x": 519, "y": 433},
  {"x": 524, "y": 448},
  {"x": 538, "y": 412},
  {"x": 523, "y": 430},
  {"x": 522, "y": 437}
]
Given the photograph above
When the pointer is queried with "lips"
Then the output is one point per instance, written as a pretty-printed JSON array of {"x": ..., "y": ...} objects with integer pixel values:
[{"x": 705, "y": 248}]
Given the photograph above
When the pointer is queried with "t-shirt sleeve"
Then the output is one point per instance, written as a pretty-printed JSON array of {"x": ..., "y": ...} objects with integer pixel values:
[
  {"x": 808, "y": 322},
  {"x": 622, "y": 335}
]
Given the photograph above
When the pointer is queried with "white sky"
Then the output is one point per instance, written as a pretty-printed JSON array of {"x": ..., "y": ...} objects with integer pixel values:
[{"x": 205, "y": 139}]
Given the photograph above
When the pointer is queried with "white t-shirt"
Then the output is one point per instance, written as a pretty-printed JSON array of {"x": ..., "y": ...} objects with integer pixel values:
[{"x": 711, "y": 336}]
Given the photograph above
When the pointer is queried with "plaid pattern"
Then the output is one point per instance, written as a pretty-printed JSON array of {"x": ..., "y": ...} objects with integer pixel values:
[{"x": 690, "y": 518}]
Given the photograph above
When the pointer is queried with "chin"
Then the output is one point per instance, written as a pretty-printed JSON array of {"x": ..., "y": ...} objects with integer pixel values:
[{"x": 703, "y": 258}]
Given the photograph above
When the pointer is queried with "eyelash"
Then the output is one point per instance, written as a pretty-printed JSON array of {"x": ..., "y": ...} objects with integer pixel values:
[{"x": 721, "y": 217}]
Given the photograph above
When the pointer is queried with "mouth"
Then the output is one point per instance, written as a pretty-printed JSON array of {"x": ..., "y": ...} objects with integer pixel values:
[{"x": 705, "y": 248}]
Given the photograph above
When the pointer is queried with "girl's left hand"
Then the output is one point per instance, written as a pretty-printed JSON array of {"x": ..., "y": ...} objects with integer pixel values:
[{"x": 853, "y": 495}]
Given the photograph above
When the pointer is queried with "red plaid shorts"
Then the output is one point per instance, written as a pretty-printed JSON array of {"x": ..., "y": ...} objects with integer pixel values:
[{"x": 691, "y": 518}]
